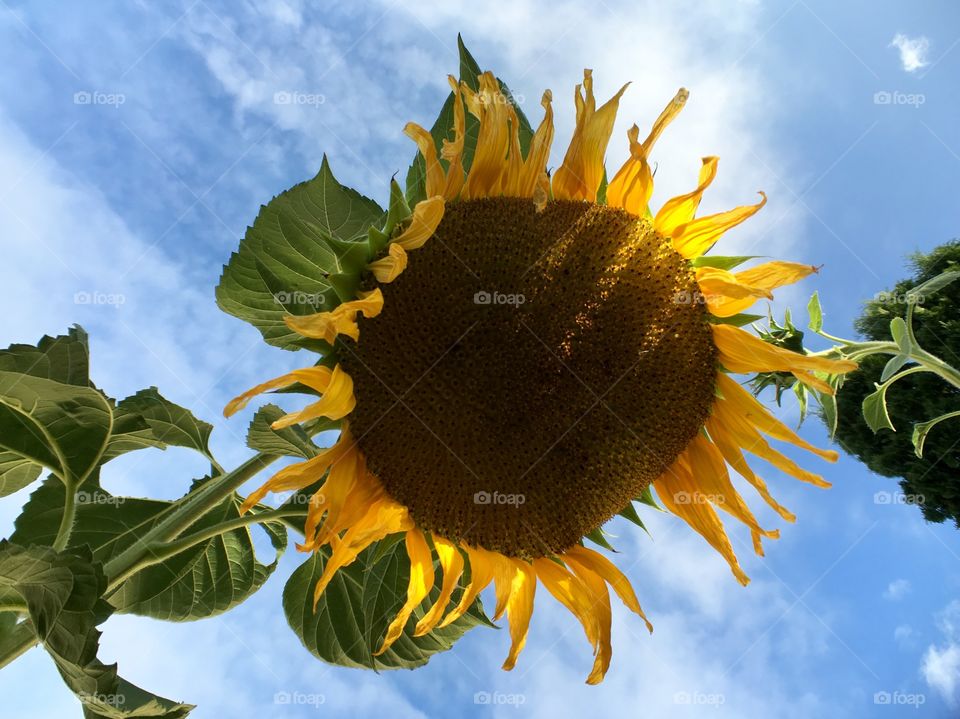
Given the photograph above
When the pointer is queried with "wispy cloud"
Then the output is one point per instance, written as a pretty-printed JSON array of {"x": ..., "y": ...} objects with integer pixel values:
[
  {"x": 897, "y": 589},
  {"x": 913, "y": 51},
  {"x": 941, "y": 663}
]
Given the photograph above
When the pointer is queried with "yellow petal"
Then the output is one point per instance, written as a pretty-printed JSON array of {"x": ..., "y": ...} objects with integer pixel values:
[
  {"x": 451, "y": 562},
  {"x": 599, "y": 597},
  {"x": 342, "y": 320},
  {"x": 681, "y": 209},
  {"x": 579, "y": 177},
  {"x": 423, "y": 223},
  {"x": 316, "y": 378},
  {"x": 759, "y": 281},
  {"x": 734, "y": 457},
  {"x": 452, "y": 151},
  {"x": 421, "y": 582},
  {"x": 519, "y": 609},
  {"x": 388, "y": 268},
  {"x": 337, "y": 402},
  {"x": 596, "y": 562},
  {"x": 632, "y": 186},
  {"x": 382, "y": 518},
  {"x": 694, "y": 238},
  {"x": 489, "y": 165},
  {"x": 333, "y": 495},
  {"x": 681, "y": 495},
  {"x": 571, "y": 592},
  {"x": 741, "y": 351},
  {"x": 435, "y": 179},
  {"x": 710, "y": 470},
  {"x": 481, "y": 574},
  {"x": 535, "y": 164}
]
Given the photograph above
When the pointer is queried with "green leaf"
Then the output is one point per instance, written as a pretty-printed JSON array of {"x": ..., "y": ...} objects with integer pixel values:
[
  {"x": 921, "y": 429},
  {"x": 815, "y": 312},
  {"x": 646, "y": 497},
  {"x": 65, "y": 358},
  {"x": 147, "y": 419},
  {"x": 290, "y": 259},
  {"x": 738, "y": 320},
  {"x": 898, "y": 330},
  {"x": 60, "y": 426},
  {"x": 875, "y": 409},
  {"x": 934, "y": 284},
  {"x": 893, "y": 366},
  {"x": 721, "y": 262},
  {"x": 202, "y": 581},
  {"x": 16, "y": 472},
  {"x": 598, "y": 537},
  {"x": 63, "y": 593},
  {"x": 353, "y": 613},
  {"x": 289, "y": 442},
  {"x": 630, "y": 512},
  {"x": 800, "y": 390},
  {"x": 828, "y": 406}
]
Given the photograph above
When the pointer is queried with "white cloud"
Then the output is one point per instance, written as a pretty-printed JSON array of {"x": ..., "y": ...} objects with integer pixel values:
[
  {"x": 941, "y": 664},
  {"x": 897, "y": 589},
  {"x": 913, "y": 51}
]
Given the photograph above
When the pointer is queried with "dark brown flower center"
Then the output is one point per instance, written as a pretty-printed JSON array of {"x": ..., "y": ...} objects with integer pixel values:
[{"x": 531, "y": 372}]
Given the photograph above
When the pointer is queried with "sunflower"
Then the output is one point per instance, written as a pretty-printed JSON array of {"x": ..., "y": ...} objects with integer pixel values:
[{"x": 552, "y": 351}]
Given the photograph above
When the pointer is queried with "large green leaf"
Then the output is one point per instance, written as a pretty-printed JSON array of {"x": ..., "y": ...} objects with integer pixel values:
[
  {"x": 63, "y": 593},
  {"x": 286, "y": 264},
  {"x": 354, "y": 612},
  {"x": 442, "y": 128},
  {"x": 16, "y": 472},
  {"x": 147, "y": 419},
  {"x": 61, "y": 426},
  {"x": 202, "y": 581},
  {"x": 64, "y": 358}
]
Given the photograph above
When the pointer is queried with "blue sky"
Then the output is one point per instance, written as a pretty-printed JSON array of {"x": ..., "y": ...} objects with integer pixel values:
[{"x": 853, "y": 137}]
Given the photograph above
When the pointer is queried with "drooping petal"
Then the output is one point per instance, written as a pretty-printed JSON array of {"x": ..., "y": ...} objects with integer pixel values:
[
  {"x": 596, "y": 562},
  {"x": 579, "y": 177},
  {"x": 423, "y": 223},
  {"x": 337, "y": 402},
  {"x": 734, "y": 457},
  {"x": 388, "y": 268},
  {"x": 535, "y": 164},
  {"x": 452, "y": 150},
  {"x": 481, "y": 574},
  {"x": 694, "y": 238},
  {"x": 681, "y": 495},
  {"x": 317, "y": 378},
  {"x": 342, "y": 320},
  {"x": 421, "y": 582},
  {"x": 435, "y": 179},
  {"x": 451, "y": 562},
  {"x": 519, "y": 609},
  {"x": 600, "y": 609},
  {"x": 381, "y": 518},
  {"x": 570, "y": 591},
  {"x": 710, "y": 471}
]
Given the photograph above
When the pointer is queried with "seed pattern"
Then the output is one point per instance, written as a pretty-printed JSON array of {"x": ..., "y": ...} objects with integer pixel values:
[{"x": 521, "y": 424}]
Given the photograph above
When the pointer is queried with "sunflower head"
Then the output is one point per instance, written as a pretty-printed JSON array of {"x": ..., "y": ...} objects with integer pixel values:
[{"x": 552, "y": 350}]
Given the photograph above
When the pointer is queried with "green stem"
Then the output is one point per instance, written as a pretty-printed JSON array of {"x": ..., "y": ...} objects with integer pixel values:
[
  {"x": 187, "y": 511},
  {"x": 67, "y": 518},
  {"x": 161, "y": 551}
]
